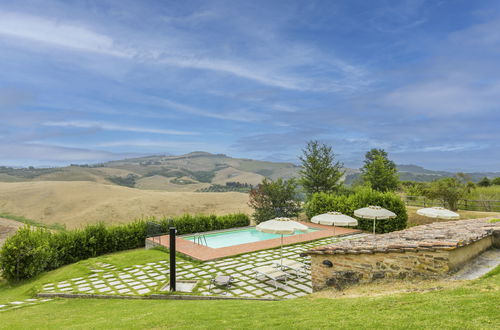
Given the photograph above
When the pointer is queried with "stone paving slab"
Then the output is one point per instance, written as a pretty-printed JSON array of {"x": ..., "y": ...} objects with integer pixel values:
[{"x": 23, "y": 303}]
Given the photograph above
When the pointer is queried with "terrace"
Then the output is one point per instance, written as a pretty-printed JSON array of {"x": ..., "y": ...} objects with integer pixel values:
[
  {"x": 205, "y": 253},
  {"x": 150, "y": 278}
]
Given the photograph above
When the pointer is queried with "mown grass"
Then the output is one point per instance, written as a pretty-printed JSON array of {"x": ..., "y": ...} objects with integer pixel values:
[
  {"x": 463, "y": 308},
  {"x": 26, "y": 289},
  {"x": 474, "y": 304}
]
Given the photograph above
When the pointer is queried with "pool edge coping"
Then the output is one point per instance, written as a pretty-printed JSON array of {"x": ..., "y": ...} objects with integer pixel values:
[{"x": 203, "y": 253}]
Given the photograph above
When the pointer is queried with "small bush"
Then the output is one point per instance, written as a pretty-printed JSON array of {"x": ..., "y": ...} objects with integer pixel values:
[
  {"x": 26, "y": 254},
  {"x": 322, "y": 203}
]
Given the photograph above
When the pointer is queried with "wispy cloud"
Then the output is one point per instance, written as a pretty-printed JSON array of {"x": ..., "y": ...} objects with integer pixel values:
[
  {"x": 46, "y": 154},
  {"x": 175, "y": 145},
  {"x": 115, "y": 127},
  {"x": 271, "y": 73},
  {"x": 57, "y": 33},
  {"x": 257, "y": 79},
  {"x": 445, "y": 97}
]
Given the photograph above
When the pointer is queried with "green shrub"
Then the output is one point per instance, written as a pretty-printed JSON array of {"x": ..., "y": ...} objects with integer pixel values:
[
  {"x": 25, "y": 254},
  {"x": 30, "y": 252},
  {"x": 388, "y": 200},
  {"x": 188, "y": 224},
  {"x": 322, "y": 203}
]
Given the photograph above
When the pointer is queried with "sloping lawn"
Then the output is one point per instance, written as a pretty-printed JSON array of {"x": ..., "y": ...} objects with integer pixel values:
[{"x": 473, "y": 305}]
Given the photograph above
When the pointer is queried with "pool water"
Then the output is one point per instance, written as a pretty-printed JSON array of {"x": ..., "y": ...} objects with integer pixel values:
[{"x": 241, "y": 236}]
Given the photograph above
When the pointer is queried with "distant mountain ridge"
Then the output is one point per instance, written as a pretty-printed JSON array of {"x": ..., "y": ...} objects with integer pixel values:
[{"x": 195, "y": 171}]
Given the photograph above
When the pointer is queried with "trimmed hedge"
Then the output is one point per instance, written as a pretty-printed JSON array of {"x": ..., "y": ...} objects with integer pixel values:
[
  {"x": 188, "y": 224},
  {"x": 322, "y": 203},
  {"x": 32, "y": 251}
]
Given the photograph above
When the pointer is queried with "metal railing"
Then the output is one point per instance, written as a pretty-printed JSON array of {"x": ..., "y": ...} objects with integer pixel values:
[
  {"x": 200, "y": 239},
  {"x": 463, "y": 204}
]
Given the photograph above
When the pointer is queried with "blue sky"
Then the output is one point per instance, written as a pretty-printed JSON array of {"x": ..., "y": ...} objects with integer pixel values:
[{"x": 88, "y": 81}]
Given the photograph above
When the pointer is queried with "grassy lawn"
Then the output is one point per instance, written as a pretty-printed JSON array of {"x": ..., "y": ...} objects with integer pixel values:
[
  {"x": 471, "y": 304},
  {"x": 27, "y": 289}
]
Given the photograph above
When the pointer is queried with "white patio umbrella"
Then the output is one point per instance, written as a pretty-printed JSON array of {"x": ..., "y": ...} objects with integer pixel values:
[
  {"x": 282, "y": 226},
  {"x": 375, "y": 213},
  {"x": 334, "y": 219},
  {"x": 438, "y": 212}
]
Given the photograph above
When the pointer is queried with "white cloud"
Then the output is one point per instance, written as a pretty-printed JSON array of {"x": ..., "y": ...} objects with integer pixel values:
[
  {"x": 115, "y": 127},
  {"x": 155, "y": 144},
  {"x": 180, "y": 51},
  {"x": 235, "y": 115},
  {"x": 444, "y": 97},
  {"x": 58, "y": 33},
  {"x": 50, "y": 154}
]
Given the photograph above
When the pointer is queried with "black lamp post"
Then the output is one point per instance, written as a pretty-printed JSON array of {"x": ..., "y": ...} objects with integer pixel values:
[{"x": 172, "y": 232}]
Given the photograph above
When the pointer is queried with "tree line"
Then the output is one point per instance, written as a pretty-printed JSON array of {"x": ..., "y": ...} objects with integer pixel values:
[{"x": 322, "y": 172}]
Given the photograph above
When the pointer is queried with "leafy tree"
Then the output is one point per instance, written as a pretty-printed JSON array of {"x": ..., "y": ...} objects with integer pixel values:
[
  {"x": 449, "y": 190},
  {"x": 485, "y": 182},
  {"x": 496, "y": 181},
  {"x": 320, "y": 172},
  {"x": 379, "y": 172},
  {"x": 271, "y": 199},
  {"x": 414, "y": 188}
]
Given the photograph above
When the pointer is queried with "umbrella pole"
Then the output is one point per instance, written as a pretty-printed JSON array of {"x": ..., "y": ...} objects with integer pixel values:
[
  {"x": 373, "y": 226},
  {"x": 281, "y": 251}
]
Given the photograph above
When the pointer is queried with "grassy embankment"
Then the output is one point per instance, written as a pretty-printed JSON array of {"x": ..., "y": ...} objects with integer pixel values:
[{"x": 468, "y": 304}]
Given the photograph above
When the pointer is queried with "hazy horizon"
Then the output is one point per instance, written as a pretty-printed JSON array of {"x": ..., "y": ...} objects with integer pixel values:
[{"x": 88, "y": 82}]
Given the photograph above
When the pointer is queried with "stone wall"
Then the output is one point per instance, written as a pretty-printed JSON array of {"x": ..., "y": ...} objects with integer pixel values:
[
  {"x": 428, "y": 251},
  {"x": 364, "y": 268}
]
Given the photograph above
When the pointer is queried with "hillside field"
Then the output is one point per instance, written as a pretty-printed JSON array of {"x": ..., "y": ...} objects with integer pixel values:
[{"x": 81, "y": 202}]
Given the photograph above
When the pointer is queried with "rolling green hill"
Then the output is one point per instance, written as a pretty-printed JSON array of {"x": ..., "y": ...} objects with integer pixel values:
[
  {"x": 191, "y": 172},
  {"x": 196, "y": 171}
]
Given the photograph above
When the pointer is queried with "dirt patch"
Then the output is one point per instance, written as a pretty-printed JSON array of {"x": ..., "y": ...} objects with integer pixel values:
[
  {"x": 8, "y": 228},
  {"x": 389, "y": 288}
]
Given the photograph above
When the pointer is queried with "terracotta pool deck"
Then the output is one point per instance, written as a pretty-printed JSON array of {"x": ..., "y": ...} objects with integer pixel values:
[{"x": 205, "y": 253}]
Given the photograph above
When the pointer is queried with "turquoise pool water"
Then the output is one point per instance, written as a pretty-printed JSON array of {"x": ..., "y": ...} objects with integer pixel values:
[{"x": 241, "y": 236}]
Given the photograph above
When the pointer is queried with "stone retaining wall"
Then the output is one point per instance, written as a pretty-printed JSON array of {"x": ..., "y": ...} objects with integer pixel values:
[{"x": 402, "y": 254}]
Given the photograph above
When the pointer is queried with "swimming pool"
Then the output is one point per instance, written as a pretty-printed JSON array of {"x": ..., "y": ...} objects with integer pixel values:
[{"x": 241, "y": 236}]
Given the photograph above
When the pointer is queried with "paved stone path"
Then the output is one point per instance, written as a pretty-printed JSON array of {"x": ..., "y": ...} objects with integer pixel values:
[
  {"x": 151, "y": 277},
  {"x": 21, "y": 303}
]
